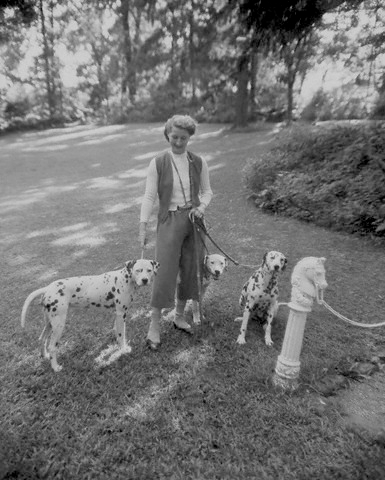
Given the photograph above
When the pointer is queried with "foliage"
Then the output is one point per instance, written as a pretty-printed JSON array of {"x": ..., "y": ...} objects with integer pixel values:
[
  {"x": 332, "y": 175},
  {"x": 140, "y": 59},
  {"x": 282, "y": 18},
  {"x": 127, "y": 56},
  {"x": 12, "y": 14},
  {"x": 19, "y": 106},
  {"x": 298, "y": 56},
  {"x": 347, "y": 102}
]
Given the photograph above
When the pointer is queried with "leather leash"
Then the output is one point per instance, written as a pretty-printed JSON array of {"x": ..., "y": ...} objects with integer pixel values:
[{"x": 196, "y": 229}]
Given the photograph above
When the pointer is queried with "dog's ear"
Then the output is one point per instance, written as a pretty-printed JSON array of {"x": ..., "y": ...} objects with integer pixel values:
[
  {"x": 206, "y": 257},
  {"x": 226, "y": 263},
  {"x": 284, "y": 265},
  {"x": 155, "y": 266},
  {"x": 129, "y": 265}
]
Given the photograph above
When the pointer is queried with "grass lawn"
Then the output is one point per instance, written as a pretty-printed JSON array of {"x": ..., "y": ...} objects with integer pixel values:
[{"x": 201, "y": 407}]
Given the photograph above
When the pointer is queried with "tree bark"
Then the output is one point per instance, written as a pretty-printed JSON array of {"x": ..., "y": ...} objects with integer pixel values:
[
  {"x": 129, "y": 77},
  {"x": 253, "y": 78},
  {"x": 291, "y": 74},
  {"x": 174, "y": 82},
  {"x": 290, "y": 96},
  {"x": 241, "y": 107},
  {"x": 47, "y": 66},
  {"x": 192, "y": 54}
]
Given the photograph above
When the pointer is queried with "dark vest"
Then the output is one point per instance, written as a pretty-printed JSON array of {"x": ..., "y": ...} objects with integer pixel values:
[{"x": 166, "y": 181}]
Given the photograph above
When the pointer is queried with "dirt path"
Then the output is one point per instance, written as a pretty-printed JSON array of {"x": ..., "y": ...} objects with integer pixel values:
[{"x": 70, "y": 201}]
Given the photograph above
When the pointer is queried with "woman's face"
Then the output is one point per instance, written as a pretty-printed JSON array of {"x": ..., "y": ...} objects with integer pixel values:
[{"x": 178, "y": 138}]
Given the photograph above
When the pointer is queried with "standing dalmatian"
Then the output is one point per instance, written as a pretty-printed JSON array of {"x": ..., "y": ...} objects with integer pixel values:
[{"x": 111, "y": 290}]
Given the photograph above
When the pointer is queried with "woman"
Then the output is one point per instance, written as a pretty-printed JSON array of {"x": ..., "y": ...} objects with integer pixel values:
[{"x": 181, "y": 181}]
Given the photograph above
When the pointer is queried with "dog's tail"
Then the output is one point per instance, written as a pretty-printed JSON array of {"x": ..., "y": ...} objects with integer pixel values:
[{"x": 28, "y": 301}]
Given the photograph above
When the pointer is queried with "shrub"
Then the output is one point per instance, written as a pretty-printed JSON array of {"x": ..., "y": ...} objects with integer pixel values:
[
  {"x": 318, "y": 108},
  {"x": 16, "y": 108},
  {"x": 332, "y": 175},
  {"x": 347, "y": 102}
]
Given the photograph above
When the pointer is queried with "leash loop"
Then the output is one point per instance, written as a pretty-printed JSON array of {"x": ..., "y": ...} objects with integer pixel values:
[
  {"x": 321, "y": 301},
  {"x": 352, "y": 322}
]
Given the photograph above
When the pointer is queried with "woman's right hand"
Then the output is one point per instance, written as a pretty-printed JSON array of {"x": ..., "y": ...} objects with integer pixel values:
[{"x": 142, "y": 234}]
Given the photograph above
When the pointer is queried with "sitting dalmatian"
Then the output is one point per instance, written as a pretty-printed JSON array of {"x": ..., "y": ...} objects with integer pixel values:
[
  {"x": 259, "y": 296},
  {"x": 113, "y": 290},
  {"x": 213, "y": 267}
]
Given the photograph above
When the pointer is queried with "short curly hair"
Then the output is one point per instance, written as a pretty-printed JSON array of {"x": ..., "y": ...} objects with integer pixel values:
[{"x": 180, "y": 121}]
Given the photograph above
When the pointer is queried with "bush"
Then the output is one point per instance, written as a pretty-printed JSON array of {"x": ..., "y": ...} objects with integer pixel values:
[
  {"x": 17, "y": 108},
  {"x": 332, "y": 175},
  {"x": 319, "y": 108},
  {"x": 342, "y": 103}
]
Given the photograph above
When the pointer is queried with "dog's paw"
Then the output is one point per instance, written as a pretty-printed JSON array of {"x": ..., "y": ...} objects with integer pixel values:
[
  {"x": 241, "y": 340},
  {"x": 197, "y": 319},
  {"x": 269, "y": 342}
]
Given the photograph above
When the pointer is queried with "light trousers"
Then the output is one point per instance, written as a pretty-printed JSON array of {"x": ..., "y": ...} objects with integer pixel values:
[{"x": 176, "y": 252}]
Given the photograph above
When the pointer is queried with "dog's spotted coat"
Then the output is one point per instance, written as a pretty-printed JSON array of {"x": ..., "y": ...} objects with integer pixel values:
[
  {"x": 259, "y": 296},
  {"x": 111, "y": 290}
]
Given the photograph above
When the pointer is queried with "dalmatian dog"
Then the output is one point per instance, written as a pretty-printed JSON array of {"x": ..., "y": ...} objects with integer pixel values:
[
  {"x": 213, "y": 267},
  {"x": 259, "y": 297},
  {"x": 112, "y": 290}
]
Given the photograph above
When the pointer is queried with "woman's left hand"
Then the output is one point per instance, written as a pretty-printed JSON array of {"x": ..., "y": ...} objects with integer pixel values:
[{"x": 196, "y": 212}]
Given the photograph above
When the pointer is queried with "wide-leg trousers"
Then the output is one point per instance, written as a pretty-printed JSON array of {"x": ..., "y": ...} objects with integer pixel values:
[{"x": 176, "y": 252}]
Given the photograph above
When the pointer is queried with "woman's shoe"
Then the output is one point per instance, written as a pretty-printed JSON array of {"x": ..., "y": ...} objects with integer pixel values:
[
  {"x": 181, "y": 324},
  {"x": 152, "y": 345}
]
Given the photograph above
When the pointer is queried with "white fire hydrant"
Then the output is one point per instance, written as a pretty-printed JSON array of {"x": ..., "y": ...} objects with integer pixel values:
[{"x": 308, "y": 282}]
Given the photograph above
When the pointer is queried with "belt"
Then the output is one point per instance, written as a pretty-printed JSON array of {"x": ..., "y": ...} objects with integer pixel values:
[{"x": 187, "y": 206}]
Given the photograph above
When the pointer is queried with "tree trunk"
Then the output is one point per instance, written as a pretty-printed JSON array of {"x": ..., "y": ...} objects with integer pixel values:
[
  {"x": 242, "y": 100},
  {"x": 192, "y": 55},
  {"x": 174, "y": 82},
  {"x": 51, "y": 38},
  {"x": 290, "y": 96},
  {"x": 129, "y": 77},
  {"x": 47, "y": 66},
  {"x": 253, "y": 79}
]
